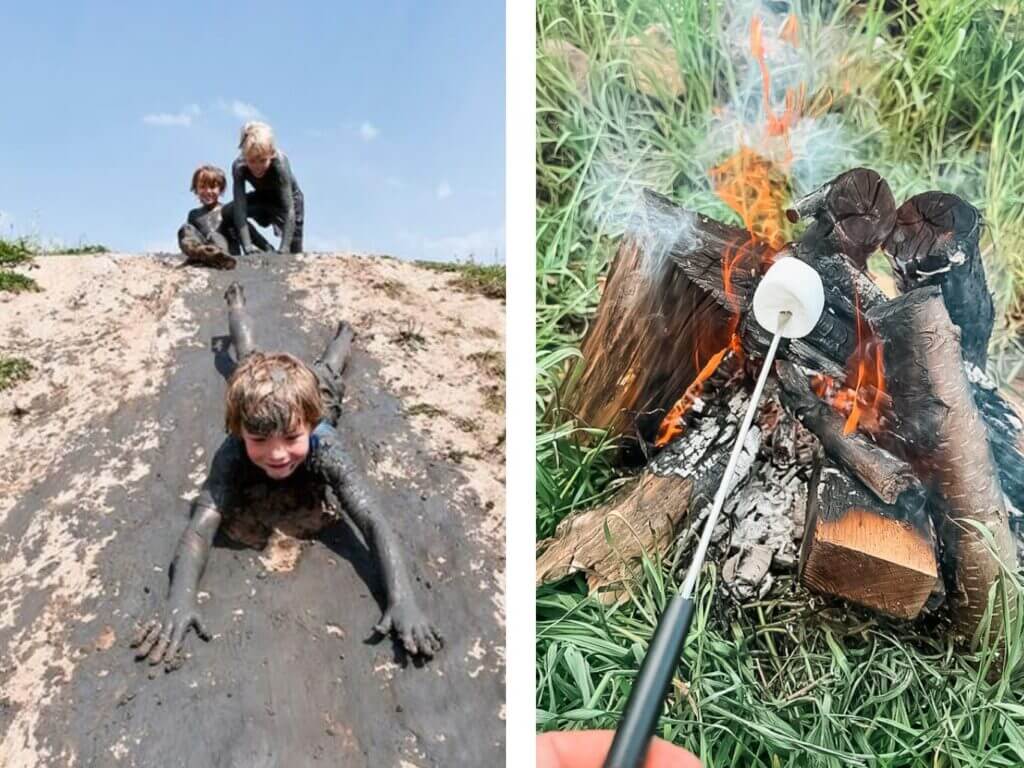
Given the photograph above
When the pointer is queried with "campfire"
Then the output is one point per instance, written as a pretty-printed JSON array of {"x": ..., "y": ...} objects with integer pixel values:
[{"x": 884, "y": 467}]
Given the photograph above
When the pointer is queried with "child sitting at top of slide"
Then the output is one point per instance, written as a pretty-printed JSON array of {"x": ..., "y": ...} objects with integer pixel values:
[
  {"x": 206, "y": 238},
  {"x": 276, "y": 198},
  {"x": 281, "y": 416}
]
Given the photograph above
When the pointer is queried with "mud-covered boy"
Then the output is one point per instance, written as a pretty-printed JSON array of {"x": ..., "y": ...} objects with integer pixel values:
[
  {"x": 281, "y": 416},
  {"x": 206, "y": 238},
  {"x": 275, "y": 199}
]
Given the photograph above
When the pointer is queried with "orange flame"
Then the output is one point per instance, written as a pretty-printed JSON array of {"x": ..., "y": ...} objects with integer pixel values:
[
  {"x": 756, "y": 188},
  {"x": 862, "y": 398},
  {"x": 751, "y": 186}
]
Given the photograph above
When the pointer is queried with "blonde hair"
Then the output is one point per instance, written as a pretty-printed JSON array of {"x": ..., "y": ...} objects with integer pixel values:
[
  {"x": 271, "y": 394},
  {"x": 208, "y": 175},
  {"x": 256, "y": 137}
]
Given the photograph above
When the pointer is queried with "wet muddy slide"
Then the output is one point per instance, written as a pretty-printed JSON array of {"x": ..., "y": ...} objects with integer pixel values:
[{"x": 295, "y": 675}]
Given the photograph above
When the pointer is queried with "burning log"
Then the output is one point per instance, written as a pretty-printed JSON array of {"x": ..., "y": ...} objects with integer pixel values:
[
  {"x": 852, "y": 215},
  {"x": 878, "y": 555},
  {"x": 947, "y": 443},
  {"x": 935, "y": 242},
  {"x": 639, "y": 352},
  {"x": 604, "y": 543},
  {"x": 883, "y": 473},
  {"x": 831, "y": 345}
]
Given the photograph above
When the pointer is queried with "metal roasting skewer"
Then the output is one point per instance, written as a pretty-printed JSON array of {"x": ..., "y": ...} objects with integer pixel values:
[{"x": 804, "y": 298}]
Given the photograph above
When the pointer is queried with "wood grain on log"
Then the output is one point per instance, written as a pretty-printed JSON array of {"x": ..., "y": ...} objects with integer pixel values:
[
  {"x": 852, "y": 215},
  {"x": 604, "y": 543},
  {"x": 877, "y": 555},
  {"x": 947, "y": 443},
  {"x": 639, "y": 353}
]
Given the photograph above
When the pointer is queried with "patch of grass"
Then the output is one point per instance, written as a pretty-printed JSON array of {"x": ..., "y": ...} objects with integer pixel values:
[
  {"x": 390, "y": 288},
  {"x": 13, "y": 252},
  {"x": 486, "y": 280},
  {"x": 937, "y": 103},
  {"x": 494, "y": 397},
  {"x": 79, "y": 250},
  {"x": 410, "y": 336},
  {"x": 13, "y": 370},
  {"x": 425, "y": 409},
  {"x": 12, "y": 282}
]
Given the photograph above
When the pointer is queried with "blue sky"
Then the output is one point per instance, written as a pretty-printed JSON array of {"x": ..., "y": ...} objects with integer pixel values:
[{"x": 392, "y": 114}]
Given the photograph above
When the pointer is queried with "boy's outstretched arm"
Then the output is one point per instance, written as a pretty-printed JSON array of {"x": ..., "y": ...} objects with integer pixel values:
[
  {"x": 238, "y": 209},
  {"x": 287, "y": 197},
  {"x": 403, "y": 614},
  {"x": 161, "y": 638}
]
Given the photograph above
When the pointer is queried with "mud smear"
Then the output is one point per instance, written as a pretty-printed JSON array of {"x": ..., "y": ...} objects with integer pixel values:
[{"x": 294, "y": 676}]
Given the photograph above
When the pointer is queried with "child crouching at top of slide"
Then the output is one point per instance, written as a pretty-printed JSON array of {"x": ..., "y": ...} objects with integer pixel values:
[
  {"x": 206, "y": 238},
  {"x": 275, "y": 199}
]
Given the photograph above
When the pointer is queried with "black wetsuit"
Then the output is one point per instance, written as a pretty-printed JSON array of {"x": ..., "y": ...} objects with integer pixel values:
[
  {"x": 275, "y": 199},
  {"x": 205, "y": 226}
]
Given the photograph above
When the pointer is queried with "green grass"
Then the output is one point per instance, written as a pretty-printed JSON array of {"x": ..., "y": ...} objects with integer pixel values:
[
  {"x": 938, "y": 103},
  {"x": 13, "y": 253},
  {"x": 78, "y": 250},
  {"x": 13, "y": 282},
  {"x": 13, "y": 370},
  {"x": 487, "y": 280}
]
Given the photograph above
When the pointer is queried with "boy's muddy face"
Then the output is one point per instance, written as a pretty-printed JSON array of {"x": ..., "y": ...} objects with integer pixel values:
[
  {"x": 258, "y": 163},
  {"x": 208, "y": 194},
  {"x": 278, "y": 455}
]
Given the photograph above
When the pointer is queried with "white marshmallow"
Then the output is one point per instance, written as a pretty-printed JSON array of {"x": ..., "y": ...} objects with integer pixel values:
[{"x": 789, "y": 285}]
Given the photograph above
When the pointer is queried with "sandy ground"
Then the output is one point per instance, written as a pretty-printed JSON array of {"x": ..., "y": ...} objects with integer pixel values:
[
  {"x": 105, "y": 330},
  {"x": 441, "y": 351}
]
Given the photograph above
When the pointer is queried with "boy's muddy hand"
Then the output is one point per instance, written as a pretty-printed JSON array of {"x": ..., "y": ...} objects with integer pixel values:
[
  {"x": 409, "y": 624},
  {"x": 161, "y": 639}
]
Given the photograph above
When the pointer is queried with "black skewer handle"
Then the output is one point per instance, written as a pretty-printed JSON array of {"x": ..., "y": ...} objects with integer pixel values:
[{"x": 640, "y": 718}]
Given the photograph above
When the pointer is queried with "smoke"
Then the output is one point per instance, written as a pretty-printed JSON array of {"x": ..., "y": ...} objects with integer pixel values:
[
  {"x": 779, "y": 110},
  {"x": 788, "y": 70}
]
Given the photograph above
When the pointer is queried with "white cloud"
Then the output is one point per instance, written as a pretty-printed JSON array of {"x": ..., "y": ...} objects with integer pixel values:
[
  {"x": 444, "y": 190},
  {"x": 395, "y": 182},
  {"x": 181, "y": 119},
  {"x": 483, "y": 246},
  {"x": 368, "y": 131},
  {"x": 243, "y": 110}
]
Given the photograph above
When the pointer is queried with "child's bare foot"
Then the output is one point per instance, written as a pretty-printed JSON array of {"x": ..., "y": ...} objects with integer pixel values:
[{"x": 234, "y": 295}]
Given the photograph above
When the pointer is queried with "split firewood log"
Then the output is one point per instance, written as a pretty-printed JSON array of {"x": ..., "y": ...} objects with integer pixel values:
[{"x": 857, "y": 547}]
